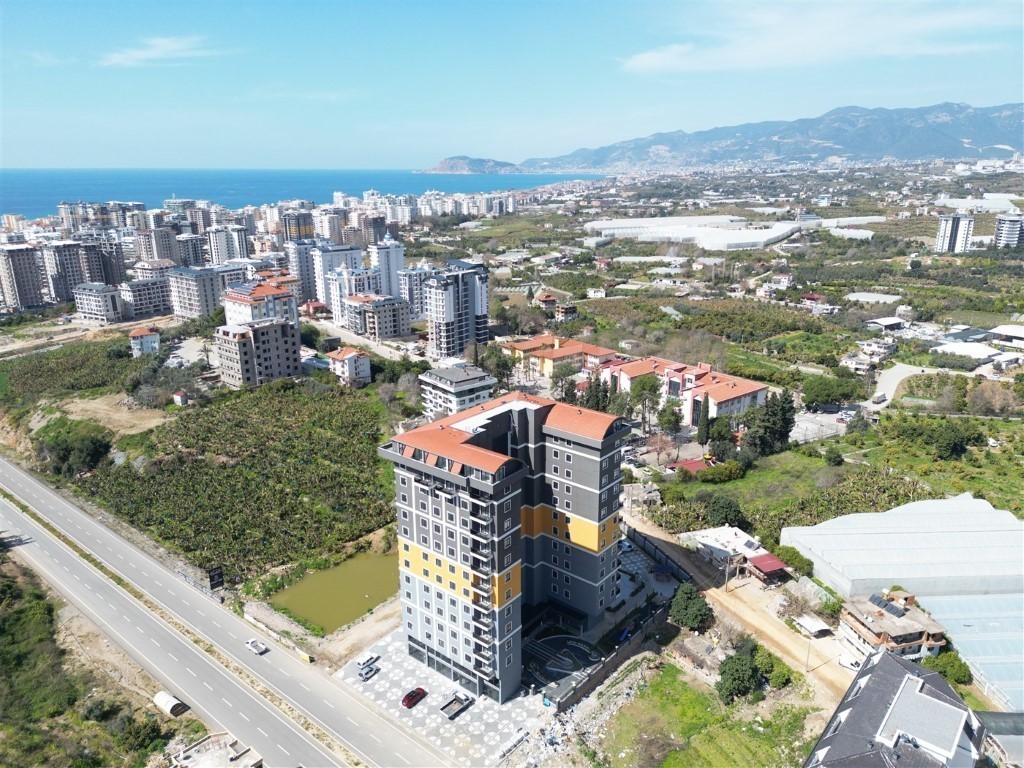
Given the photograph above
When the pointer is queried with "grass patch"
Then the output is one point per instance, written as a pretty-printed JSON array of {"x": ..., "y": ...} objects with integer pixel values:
[
  {"x": 672, "y": 723},
  {"x": 777, "y": 480}
]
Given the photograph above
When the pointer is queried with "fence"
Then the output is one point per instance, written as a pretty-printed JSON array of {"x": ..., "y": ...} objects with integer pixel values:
[
  {"x": 205, "y": 590},
  {"x": 652, "y": 550},
  {"x": 611, "y": 662}
]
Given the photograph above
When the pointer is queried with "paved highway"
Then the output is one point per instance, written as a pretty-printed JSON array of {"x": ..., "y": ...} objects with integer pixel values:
[
  {"x": 185, "y": 670},
  {"x": 366, "y": 731}
]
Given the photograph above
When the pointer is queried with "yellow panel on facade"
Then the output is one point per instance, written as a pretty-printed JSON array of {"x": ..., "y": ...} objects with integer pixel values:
[
  {"x": 462, "y": 578},
  {"x": 583, "y": 533},
  {"x": 507, "y": 586}
]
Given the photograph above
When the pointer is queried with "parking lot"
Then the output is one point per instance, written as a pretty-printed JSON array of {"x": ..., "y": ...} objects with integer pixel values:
[
  {"x": 478, "y": 736},
  {"x": 818, "y": 426}
]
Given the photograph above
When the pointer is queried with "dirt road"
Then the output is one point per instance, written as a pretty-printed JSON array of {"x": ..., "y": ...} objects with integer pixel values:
[{"x": 746, "y": 604}]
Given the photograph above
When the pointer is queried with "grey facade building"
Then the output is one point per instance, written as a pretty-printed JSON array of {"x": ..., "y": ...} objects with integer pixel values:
[
  {"x": 455, "y": 303},
  {"x": 1009, "y": 230},
  {"x": 98, "y": 303},
  {"x": 446, "y": 391},
  {"x": 190, "y": 250},
  {"x": 20, "y": 279},
  {"x": 69, "y": 263},
  {"x": 146, "y": 297},
  {"x": 503, "y": 510},
  {"x": 197, "y": 291},
  {"x": 897, "y": 713},
  {"x": 410, "y": 285},
  {"x": 155, "y": 244},
  {"x": 954, "y": 235}
]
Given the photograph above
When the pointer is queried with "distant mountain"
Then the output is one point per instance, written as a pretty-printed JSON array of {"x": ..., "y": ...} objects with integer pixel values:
[
  {"x": 463, "y": 164},
  {"x": 942, "y": 131}
]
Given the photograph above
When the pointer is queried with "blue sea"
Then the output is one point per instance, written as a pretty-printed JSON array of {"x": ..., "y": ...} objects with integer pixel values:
[{"x": 36, "y": 192}]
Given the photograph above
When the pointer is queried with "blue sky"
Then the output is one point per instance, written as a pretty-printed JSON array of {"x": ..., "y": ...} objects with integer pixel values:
[{"x": 332, "y": 84}]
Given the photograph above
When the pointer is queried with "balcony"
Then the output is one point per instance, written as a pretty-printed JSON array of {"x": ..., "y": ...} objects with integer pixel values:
[
  {"x": 483, "y": 621},
  {"x": 480, "y": 514},
  {"x": 482, "y": 604},
  {"x": 483, "y": 588},
  {"x": 481, "y": 533}
]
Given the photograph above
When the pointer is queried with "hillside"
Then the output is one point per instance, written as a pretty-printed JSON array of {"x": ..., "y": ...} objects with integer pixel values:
[
  {"x": 463, "y": 164},
  {"x": 941, "y": 131}
]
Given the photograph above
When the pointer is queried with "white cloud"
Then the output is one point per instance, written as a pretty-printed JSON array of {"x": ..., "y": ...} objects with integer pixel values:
[
  {"x": 158, "y": 49},
  {"x": 47, "y": 59},
  {"x": 757, "y": 36}
]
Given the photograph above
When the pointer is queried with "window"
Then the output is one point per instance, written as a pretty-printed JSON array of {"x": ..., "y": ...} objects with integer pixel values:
[
  {"x": 554, "y": 588},
  {"x": 453, "y": 633},
  {"x": 508, "y": 628},
  {"x": 567, "y": 581},
  {"x": 554, "y": 515},
  {"x": 451, "y": 517},
  {"x": 568, "y": 474},
  {"x": 508, "y": 506},
  {"x": 567, "y": 535},
  {"x": 423, "y": 506},
  {"x": 423, "y": 539},
  {"x": 403, "y": 481},
  {"x": 423, "y": 522},
  {"x": 554, "y": 454},
  {"x": 602, "y": 544},
  {"x": 405, "y": 530},
  {"x": 568, "y": 458},
  {"x": 554, "y": 470},
  {"x": 437, "y": 528},
  {"x": 508, "y": 561},
  {"x": 408, "y": 596},
  {"x": 508, "y": 645},
  {"x": 508, "y": 523},
  {"x": 568, "y": 505},
  {"x": 554, "y": 486},
  {"x": 554, "y": 500},
  {"x": 568, "y": 490},
  {"x": 426, "y": 557},
  {"x": 451, "y": 585},
  {"x": 437, "y": 561},
  {"x": 407, "y": 579},
  {"x": 451, "y": 551},
  {"x": 439, "y": 580},
  {"x": 508, "y": 594},
  {"x": 554, "y": 560},
  {"x": 437, "y": 511},
  {"x": 566, "y": 593},
  {"x": 406, "y": 562},
  {"x": 426, "y": 588},
  {"x": 508, "y": 661},
  {"x": 508, "y": 612},
  {"x": 567, "y": 550},
  {"x": 604, "y": 463},
  {"x": 404, "y": 497}
]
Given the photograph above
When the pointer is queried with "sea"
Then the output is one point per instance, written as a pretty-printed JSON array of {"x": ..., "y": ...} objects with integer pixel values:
[{"x": 36, "y": 192}]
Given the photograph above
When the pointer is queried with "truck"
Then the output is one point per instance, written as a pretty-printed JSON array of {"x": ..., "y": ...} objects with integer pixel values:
[
  {"x": 456, "y": 704},
  {"x": 879, "y": 398}
]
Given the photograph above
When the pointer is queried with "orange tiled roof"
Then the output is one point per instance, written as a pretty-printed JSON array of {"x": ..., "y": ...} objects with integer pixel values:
[
  {"x": 138, "y": 333},
  {"x": 345, "y": 352},
  {"x": 441, "y": 438}
]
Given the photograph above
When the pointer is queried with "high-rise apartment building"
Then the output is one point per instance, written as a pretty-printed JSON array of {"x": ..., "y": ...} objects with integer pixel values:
[
  {"x": 200, "y": 219},
  {"x": 1009, "y": 230},
  {"x": 112, "y": 256},
  {"x": 456, "y": 309},
  {"x": 328, "y": 226},
  {"x": 504, "y": 510},
  {"x": 256, "y": 353},
  {"x": 20, "y": 279},
  {"x": 249, "y": 302},
  {"x": 326, "y": 258},
  {"x": 389, "y": 257},
  {"x": 197, "y": 291},
  {"x": 190, "y": 249},
  {"x": 373, "y": 228},
  {"x": 410, "y": 285},
  {"x": 376, "y": 317},
  {"x": 300, "y": 265},
  {"x": 297, "y": 225},
  {"x": 345, "y": 282},
  {"x": 67, "y": 264},
  {"x": 954, "y": 235},
  {"x": 154, "y": 244},
  {"x": 226, "y": 242}
]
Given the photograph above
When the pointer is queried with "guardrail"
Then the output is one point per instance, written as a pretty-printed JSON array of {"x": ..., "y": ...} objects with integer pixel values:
[{"x": 205, "y": 590}]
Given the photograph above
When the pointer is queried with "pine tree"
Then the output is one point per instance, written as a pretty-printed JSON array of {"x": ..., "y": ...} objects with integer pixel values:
[{"x": 704, "y": 425}]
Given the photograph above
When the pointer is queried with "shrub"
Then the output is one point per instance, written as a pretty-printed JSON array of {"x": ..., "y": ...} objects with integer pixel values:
[
  {"x": 792, "y": 557},
  {"x": 721, "y": 473},
  {"x": 738, "y": 676},
  {"x": 723, "y": 510},
  {"x": 950, "y": 666},
  {"x": 833, "y": 456}
]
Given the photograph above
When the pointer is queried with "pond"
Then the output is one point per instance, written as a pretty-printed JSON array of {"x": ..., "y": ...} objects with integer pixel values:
[{"x": 334, "y": 597}]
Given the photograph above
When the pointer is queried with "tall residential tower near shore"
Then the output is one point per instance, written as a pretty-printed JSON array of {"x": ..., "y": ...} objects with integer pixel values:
[{"x": 504, "y": 509}]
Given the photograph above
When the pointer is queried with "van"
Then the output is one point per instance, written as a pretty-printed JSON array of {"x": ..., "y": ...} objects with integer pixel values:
[
  {"x": 879, "y": 398},
  {"x": 367, "y": 658}
]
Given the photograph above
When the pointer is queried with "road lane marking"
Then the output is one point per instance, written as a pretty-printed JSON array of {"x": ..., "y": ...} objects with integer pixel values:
[
  {"x": 329, "y": 704},
  {"x": 141, "y": 630},
  {"x": 373, "y": 737},
  {"x": 401, "y": 758},
  {"x": 77, "y": 576},
  {"x": 225, "y": 701},
  {"x": 66, "y": 568},
  {"x": 285, "y": 673},
  {"x": 351, "y": 720},
  {"x": 262, "y": 731},
  {"x": 157, "y": 583},
  {"x": 232, "y": 634},
  {"x": 217, "y": 624},
  {"x": 173, "y": 656},
  {"x": 284, "y": 750},
  {"x": 207, "y": 685},
  {"x": 307, "y": 689},
  {"x": 190, "y": 671},
  {"x": 155, "y": 642},
  {"x": 246, "y": 718}
]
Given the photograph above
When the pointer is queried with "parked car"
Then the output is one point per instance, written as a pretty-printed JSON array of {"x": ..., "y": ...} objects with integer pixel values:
[
  {"x": 367, "y": 658},
  {"x": 365, "y": 673},
  {"x": 625, "y": 546},
  {"x": 849, "y": 663},
  {"x": 256, "y": 646},
  {"x": 413, "y": 697}
]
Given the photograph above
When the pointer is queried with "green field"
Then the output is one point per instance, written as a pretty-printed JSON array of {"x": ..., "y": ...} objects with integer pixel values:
[
  {"x": 996, "y": 474},
  {"x": 672, "y": 723},
  {"x": 780, "y": 479}
]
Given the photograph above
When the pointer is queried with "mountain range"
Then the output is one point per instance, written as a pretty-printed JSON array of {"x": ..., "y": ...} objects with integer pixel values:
[{"x": 943, "y": 131}]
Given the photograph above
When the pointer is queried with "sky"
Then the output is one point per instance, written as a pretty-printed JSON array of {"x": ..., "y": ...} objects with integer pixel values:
[{"x": 383, "y": 84}]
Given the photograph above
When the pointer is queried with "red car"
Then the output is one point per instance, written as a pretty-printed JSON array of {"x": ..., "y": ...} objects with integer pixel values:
[{"x": 413, "y": 697}]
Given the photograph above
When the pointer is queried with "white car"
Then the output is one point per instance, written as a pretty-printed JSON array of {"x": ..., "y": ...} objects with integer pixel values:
[
  {"x": 849, "y": 662},
  {"x": 256, "y": 646}
]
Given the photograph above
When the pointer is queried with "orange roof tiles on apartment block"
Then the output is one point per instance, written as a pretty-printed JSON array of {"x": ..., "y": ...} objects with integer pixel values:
[
  {"x": 445, "y": 438},
  {"x": 550, "y": 346},
  {"x": 138, "y": 333},
  {"x": 720, "y": 386}
]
